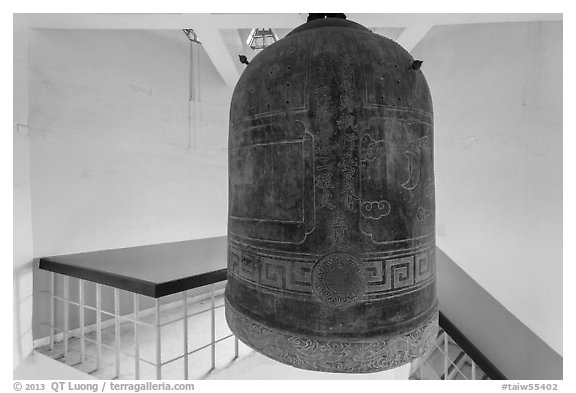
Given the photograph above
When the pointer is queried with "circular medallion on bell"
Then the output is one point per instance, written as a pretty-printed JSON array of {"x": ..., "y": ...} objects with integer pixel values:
[{"x": 339, "y": 279}]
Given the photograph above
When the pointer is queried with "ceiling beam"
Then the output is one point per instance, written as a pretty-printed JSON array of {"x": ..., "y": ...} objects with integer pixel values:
[
  {"x": 249, "y": 21},
  {"x": 403, "y": 20},
  {"x": 157, "y": 21},
  {"x": 412, "y": 35},
  {"x": 235, "y": 47},
  {"x": 214, "y": 45}
]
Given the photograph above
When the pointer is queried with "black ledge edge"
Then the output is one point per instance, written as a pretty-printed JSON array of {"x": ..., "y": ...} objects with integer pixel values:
[
  {"x": 142, "y": 287},
  {"x": 474, "y": 353}
]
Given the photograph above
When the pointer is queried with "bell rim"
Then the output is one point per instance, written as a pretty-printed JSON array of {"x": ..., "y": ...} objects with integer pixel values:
[{"x": 356, "y": 356}]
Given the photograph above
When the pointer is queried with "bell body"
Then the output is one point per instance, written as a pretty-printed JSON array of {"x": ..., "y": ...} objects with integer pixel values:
[{"x": 331, "y": 242}]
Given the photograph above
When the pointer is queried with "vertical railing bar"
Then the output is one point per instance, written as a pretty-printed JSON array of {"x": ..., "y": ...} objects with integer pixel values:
[
  {"x": 158, "y": 340},
  {"x": 456, "y": 366},
  {"x": 446, "y": 354},
  {"x": 98, "y": 326},
  {"x": 65, "y": 296},
  {"x": 117, "y": 329},
  {"x": 81, "y": 319},
  {"x": 235, "y": 347},
  {"x": 136, "y": 337},
  {"x": 213, "y": 325},
  {"x": 185, "y": 315},
  {"x": 52, "y": 308},
  {"x": 473, "y": 369}
]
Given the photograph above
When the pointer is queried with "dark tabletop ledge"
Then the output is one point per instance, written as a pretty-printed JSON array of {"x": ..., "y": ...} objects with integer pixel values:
[{"x": 153, "y": 270}]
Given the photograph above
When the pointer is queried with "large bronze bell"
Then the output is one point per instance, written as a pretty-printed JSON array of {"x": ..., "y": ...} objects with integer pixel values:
[{"x": 331, "y": 242}]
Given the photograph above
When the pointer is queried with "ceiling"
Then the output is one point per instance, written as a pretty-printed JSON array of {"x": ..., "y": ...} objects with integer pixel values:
[{"x": 223, "y": 36}]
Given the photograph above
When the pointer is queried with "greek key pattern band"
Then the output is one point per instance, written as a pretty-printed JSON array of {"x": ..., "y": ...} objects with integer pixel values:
[{"x": 390, "y": 276}]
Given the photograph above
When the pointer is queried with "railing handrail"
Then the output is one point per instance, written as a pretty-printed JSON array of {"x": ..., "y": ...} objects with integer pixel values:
[{"x": 470, "y": 349}]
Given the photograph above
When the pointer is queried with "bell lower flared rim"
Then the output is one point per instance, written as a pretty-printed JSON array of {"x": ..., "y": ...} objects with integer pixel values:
[{"x": 332, "y": 355}]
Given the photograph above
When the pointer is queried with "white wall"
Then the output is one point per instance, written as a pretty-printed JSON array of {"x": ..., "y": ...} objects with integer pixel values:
[
  {"x": 23, "y": 244},
  {"x": 109, "y": 131},
  {"x": 497, "y": 93},
  {"x": 110, "y": 161}
]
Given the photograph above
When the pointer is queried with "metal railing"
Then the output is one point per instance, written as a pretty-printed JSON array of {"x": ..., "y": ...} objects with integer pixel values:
[
  {"x": 452, "y": 356},
  {"x": 118, "y": 319}
]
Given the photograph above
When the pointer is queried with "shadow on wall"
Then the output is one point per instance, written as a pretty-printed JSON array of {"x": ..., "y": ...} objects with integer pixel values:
[
  {"x": 22, "y": 312},
  {"x": 507, "y": 343}
]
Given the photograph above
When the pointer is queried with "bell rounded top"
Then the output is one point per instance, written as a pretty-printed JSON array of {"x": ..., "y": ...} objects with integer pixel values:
[
  {"x": 289, "y": 75},
  {"x": 328, "y": 22}
]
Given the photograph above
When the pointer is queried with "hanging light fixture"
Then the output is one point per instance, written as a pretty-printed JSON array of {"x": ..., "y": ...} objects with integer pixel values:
[{"x": 260, "y": 38}]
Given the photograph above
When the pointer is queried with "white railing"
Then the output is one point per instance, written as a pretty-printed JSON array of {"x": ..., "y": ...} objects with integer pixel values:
[{"x": 138, "y": 319}]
